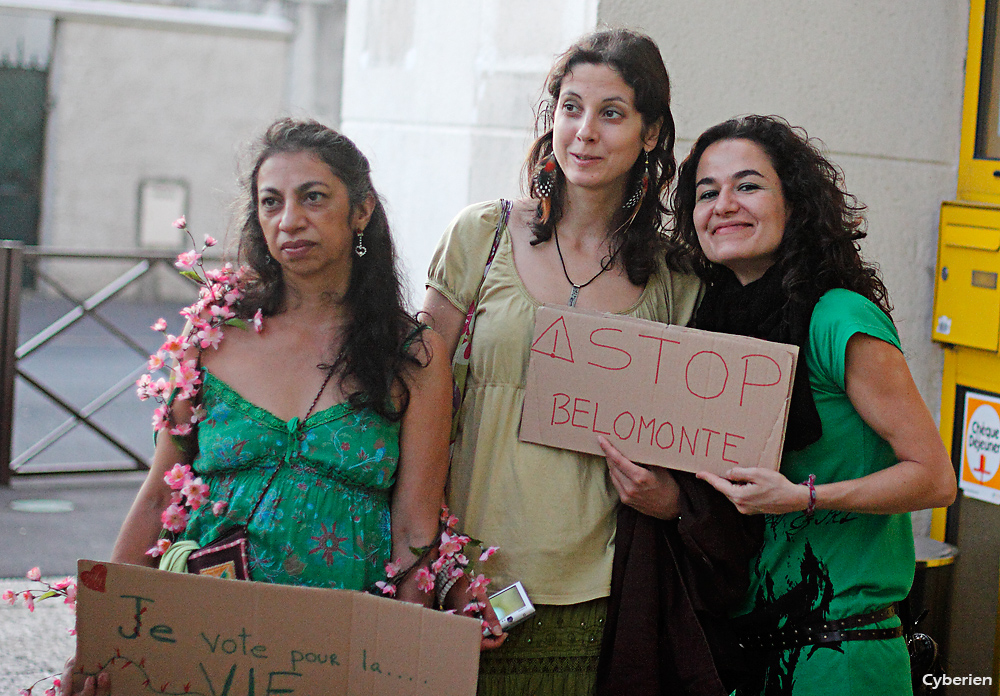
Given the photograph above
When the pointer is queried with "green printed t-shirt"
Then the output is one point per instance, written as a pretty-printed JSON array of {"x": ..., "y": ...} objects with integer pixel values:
[
  {"x": 836, "y": 564},
  {"x": 324, "y": 521}
]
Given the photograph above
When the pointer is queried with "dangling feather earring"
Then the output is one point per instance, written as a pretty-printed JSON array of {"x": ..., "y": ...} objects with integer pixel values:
[
  {"x": 543, "y": 184},
  {"x": 635, "y": 200}
]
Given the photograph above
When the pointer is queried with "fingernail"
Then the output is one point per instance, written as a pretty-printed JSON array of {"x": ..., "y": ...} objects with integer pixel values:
[{"x": 497, "y": 631}]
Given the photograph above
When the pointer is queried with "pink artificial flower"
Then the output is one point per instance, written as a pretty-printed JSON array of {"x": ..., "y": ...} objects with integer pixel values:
[
  {"x": 232, "y": 297},
  {"x": 219, "y": 507},
  {"x": 258, "y": 321},
  {"x": 449, "y": 545},
  {"x": 387, "y": 588},
  {"x": 181, "y": 222},
  {"x": 56, "y": 682},
  {"x": 9, "y": 597},
  {"x": 24, "y": 692},
  {"x": 193, "y": 314},
  {"x": 186, "y": 373},
  {"x": 461, "y": 560},
  {"x": 142, "y": 385},
  {"x": 425, "y": 580},
  {"x": 473, "y": 607},
  {"x": 210, "y": 336},
  {"x": 488, "y": 552},
  {"x": 173, "y": 346},
  {"x": 50, "y": 692},
  {"x": 71, "y": 631},
  {"x": 210, "y": 241},
  {"x": 29, "y": 600},
  {"x": 392, "y": 568},
  {"x": 188, "y": 260},
  {"x": 155, "y": 362},
  {"x": 195, "y": 491},
  {"x": 178, "y": 476},
  {"x": 159, "y": 549},
  {"x": 478, "y": 583},
  {"x": 160, "y": 419},
  {"x": 160, "y": 325},
  {"x": 174, "y": 518},
  {"x": 63, "y": 584},
  {"x": 160, "y": 387},
  {"x": 34, "y": 574},
  {"x": 221, "y": 311},
  {"x": 198, "y": 414},
  {"x": 70, "y": 595},
  {"x": 182, "y": 430}
]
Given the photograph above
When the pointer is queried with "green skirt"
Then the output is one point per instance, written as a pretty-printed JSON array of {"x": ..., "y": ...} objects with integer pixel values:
[{"x": 554, "y": 653}]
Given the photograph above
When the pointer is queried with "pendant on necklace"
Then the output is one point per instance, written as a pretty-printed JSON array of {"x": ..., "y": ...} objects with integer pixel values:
[{"x": 573, "y": 295}]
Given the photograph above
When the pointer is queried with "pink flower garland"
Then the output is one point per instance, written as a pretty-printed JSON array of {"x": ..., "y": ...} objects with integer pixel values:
[
  {"x": 451, "y": 563},
  {"x": 65, "y": 588},
  {"x": 217, "y": 297}
]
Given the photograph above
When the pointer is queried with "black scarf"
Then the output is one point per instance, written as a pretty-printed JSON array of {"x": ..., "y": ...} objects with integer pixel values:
[{"x": 761, "y": 310}]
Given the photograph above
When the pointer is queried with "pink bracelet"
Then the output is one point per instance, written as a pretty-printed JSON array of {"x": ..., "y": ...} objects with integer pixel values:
[{"x": 811, "y": 482}]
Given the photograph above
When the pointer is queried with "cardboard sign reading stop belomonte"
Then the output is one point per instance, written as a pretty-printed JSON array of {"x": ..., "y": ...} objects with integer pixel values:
[{"x": 663, "y": 395}]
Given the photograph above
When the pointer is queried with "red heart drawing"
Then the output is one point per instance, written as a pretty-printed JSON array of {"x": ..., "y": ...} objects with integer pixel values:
[{"x": 95, "y": 577}]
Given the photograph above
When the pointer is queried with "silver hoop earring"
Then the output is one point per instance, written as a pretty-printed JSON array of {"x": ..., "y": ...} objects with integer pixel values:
[{"x": 359, "y": 248}]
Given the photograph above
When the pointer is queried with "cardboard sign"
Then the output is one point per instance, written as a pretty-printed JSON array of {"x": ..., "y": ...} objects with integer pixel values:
[
  {"x": 981, "y": 447},
  {"x": 664, "y": 395},
  {"x": 167, "y": 633}
]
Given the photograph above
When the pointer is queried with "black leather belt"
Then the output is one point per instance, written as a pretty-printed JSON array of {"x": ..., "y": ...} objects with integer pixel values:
[{"x": 832, "y": 631}]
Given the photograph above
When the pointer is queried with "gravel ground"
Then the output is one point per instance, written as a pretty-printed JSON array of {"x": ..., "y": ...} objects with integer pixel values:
[{"x": 35, "y": 644}]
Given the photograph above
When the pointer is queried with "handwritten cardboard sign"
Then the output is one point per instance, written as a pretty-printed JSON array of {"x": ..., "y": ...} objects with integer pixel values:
[
  {"x": 167, "y": 633},
  {"x": 663, "y": 395}
]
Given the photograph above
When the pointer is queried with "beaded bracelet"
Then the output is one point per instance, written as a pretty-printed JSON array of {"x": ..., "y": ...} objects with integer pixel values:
[
  {"x": 444, "y": 583},
  {"x": 811, "y": 482},
  {"x": 445, "y": 589}
]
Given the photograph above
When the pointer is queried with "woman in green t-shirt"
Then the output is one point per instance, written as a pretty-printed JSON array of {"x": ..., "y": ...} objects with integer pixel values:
[{"x": 766, "y": 222}]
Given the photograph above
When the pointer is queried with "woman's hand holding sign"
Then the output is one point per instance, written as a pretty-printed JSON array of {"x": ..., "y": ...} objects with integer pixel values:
[
  {"x": 652, "y": 491},
  {"x": 754, "y": 490}
]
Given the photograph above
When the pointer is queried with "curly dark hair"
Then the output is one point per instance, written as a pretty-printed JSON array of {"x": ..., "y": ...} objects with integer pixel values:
[
  {"x": 819, "y": 250},
  {"x": 637, "y": 59},
  {"x": 374, "y": 351}
]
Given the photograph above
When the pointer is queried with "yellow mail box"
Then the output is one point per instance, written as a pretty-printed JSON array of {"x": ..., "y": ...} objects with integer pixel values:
[{"x": 966, "y": 296}]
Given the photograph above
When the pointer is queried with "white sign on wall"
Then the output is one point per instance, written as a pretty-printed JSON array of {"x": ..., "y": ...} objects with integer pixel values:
[{"x": 981, "y": 447}]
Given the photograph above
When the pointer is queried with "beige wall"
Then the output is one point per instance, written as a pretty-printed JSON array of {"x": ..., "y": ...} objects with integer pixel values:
[
  {"x": 133, "y": 101},
  {"x": 439, "y": 94}
]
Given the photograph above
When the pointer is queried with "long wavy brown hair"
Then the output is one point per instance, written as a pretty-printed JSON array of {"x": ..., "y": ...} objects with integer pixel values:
[
  {"x": 819, "y": 250},
  {"x": 637, "y": 59},
  {"x": 373, "y": 351}
]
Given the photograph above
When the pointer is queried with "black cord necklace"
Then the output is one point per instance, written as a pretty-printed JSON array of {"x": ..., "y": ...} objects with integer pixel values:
[{"x": 575, "y": 293}]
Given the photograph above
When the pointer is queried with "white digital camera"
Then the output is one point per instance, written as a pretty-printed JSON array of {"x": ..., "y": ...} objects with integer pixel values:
[{"x": 511, "y": 605}]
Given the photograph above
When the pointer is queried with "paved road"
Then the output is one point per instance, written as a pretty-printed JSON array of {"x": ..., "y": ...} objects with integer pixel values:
[{"x": 80, "y": 365}]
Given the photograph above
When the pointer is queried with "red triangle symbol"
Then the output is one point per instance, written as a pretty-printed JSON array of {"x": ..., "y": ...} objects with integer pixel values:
[{"x": 554, "y": 342}]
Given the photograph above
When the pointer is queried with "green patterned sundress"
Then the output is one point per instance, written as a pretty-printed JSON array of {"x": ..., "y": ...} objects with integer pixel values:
[{"x": 324, "y": 521}]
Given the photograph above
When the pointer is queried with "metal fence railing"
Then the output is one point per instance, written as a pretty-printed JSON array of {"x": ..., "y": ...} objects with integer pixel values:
[{"x": 15, "y": 260}]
